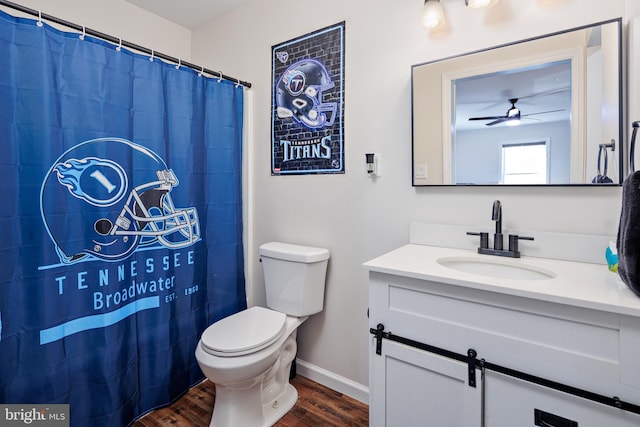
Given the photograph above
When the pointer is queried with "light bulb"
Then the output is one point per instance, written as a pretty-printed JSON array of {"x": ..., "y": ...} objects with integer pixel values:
[
  {"x": 479, "y": 4},
  {"x": 432, "y": 14}
]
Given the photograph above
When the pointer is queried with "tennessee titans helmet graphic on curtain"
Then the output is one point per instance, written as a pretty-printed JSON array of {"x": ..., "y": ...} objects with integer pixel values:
[
  {"x": 106, "y": 197},
  {"x": 300, "y": 93}
]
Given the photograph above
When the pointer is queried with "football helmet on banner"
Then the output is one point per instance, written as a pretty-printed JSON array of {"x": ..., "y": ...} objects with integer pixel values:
[
  {"x": 106, "y": 197},
  {"x": 300, "y": 93}
]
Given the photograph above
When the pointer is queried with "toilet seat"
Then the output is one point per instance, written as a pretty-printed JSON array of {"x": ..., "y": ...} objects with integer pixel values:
[{"x": 244, "y": 333}]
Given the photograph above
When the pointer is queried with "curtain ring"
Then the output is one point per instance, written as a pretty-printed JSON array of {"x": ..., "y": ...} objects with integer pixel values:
[
  {"x": 219, "y": 76},
  {"x": 179, "y": 64},
  {"x": 84, "y": 33},
  {"x": 201, "y": 72},
  {"x": 119, "y": 48},
  {"x": 39, "y": 23},
  {"x": 238, "y": 83},
  {"x": 152, "y": 55}
]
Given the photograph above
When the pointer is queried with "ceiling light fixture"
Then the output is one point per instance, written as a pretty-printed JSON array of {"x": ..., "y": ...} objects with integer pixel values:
[
  {"x": 513, "y": 115},
  {"x": 432, "y": 14}
]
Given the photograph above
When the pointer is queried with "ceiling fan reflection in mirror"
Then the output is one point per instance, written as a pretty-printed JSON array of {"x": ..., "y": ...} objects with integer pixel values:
[{"x": 513, "y": 115}]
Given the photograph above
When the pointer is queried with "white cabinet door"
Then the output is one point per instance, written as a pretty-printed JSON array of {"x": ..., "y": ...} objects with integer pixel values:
[
  {"x": 512, "y": 402},
  {"x": 411, "y": 387}
]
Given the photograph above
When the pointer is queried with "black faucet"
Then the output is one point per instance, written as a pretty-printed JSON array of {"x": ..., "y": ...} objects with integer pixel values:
[
  {"x": 496, "y": 215},
  {"x": 498, "y": 241}
]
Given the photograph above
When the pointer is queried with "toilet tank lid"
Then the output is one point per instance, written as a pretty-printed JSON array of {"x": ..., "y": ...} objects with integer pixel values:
[{"x": 295, "y": 253}]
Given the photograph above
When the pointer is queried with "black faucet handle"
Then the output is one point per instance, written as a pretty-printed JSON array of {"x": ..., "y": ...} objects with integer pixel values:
[
  {"x": 484, "y": 238},
  {"x": 513, "y": 242}
]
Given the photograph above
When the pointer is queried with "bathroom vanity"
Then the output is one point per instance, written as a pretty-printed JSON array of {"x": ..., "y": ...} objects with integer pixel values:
[{"x": 463, "y": 339}]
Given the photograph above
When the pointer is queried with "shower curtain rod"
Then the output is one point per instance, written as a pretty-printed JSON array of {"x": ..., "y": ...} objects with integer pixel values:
[{"x": 120, "y": 42}]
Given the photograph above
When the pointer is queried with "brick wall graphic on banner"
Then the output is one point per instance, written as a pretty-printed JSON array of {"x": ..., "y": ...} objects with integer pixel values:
[{"x": 307, "y": 117}]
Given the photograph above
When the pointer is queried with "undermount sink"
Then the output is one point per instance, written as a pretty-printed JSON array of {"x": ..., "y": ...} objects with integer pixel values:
[{"x": 494, "y": 267}]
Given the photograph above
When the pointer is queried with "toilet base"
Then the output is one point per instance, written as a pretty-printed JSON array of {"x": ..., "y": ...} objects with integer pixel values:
[
  {"x": 278, "y": 408},
  {"x": 250, "y": 415}
]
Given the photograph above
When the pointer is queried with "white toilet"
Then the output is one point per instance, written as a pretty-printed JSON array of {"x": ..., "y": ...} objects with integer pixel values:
[{"x": 248, "y": 355}]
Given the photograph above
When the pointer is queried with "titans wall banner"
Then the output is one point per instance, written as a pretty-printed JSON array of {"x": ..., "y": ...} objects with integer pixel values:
[{"x": 307, "y": 117}]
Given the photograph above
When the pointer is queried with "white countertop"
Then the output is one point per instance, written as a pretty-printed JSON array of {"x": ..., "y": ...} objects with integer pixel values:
[{"x": 575, "y": 283}]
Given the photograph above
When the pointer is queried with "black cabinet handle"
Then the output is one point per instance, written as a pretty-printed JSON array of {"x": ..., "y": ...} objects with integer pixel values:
[{"x": 546, "y": 419}]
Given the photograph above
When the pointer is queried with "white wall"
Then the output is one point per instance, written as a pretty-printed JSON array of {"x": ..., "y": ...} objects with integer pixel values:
[
  {"x": 117, "y": 18},
  {"x": 354, "y": 216}
]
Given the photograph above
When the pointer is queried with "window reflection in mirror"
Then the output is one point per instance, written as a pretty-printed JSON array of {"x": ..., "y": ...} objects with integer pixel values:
[
  {"x": 563, "y": 90},
  {"x": 525, "y": 163}
]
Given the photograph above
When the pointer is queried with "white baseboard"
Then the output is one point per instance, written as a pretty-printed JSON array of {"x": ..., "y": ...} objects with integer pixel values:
[{"x": 333, "y": 381}]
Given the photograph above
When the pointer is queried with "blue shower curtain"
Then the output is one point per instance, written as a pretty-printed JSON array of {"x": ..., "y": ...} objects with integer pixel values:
[{"x": 121, "y": 222}]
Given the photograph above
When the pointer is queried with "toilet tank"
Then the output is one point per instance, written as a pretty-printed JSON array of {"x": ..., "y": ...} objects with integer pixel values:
[{"x": 294, "y": 277}]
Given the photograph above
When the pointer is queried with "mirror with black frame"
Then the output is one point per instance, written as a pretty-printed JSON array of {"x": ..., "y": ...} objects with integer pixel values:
[{"x": 542, "y": 111}]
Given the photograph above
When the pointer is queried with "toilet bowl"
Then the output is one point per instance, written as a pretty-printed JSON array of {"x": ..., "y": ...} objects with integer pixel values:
[
  {"x": 251, "y": 378},
  {"x": 248, "y": 355}
]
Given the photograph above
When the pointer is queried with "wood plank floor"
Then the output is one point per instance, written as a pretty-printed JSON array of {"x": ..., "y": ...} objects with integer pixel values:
[{"x": 317, "y": 406}]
